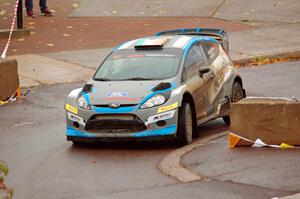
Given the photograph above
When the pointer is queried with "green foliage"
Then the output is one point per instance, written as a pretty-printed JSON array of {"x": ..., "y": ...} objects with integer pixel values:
[
  {"x": 3, "y": 168},
  {"x": 8, "y": 193}
]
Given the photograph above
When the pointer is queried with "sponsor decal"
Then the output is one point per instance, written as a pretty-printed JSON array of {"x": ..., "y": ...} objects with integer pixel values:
[
  {"x": 159, "y": 55},
  {"x": 117, "y": 94},
  {"x": 167, "y": 108},
  {"x": 72, "y": 109},
  {"x": 135, "y": 56},
  {"x": 161, "y": 116},
  {"x": 117, "y": 57},
  {"x": 75, "y": 118}
]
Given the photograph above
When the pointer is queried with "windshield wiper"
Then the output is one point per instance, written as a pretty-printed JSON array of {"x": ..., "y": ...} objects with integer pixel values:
[
  {"x": 102, "y": 79},
  {"x": 138, "y": 78}
]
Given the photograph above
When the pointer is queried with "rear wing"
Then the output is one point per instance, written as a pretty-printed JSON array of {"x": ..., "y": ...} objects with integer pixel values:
[{"x": 219, "y": 34}]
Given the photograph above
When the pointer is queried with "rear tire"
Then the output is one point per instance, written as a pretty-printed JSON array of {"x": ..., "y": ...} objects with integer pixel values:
[
  {"x": 185, "y": 125},
  {"x": 237, "y": 95}
]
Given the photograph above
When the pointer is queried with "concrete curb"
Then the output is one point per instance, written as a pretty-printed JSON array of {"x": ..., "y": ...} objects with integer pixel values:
[
  {"x": 9, "y": 79},
  {"x": 36, "y": 70},
  {"x": 292, "y": 55},
  {"x": 295, "y": 196},
  {"x": 4, "y": 33},
  {"x": 171, "y": 164}
]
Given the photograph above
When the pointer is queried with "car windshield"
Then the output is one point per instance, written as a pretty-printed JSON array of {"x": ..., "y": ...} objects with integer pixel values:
[{"x": 137, "y": 65}]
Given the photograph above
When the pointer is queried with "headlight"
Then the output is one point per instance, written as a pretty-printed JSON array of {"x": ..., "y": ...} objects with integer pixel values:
[
  {"x": 81, "y": 102},
  {"x": 154, "y": 101}
]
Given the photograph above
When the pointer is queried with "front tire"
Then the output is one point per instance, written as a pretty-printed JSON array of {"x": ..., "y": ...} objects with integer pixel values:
[
  {"x": 76, "y": 143},
  {"x": 185, "y": 125},
  {"x": 237, "y": 95}
]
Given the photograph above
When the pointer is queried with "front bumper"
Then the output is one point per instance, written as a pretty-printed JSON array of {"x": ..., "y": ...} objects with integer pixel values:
[
  {"x": 164, "y": 133},
  {"x": 101, "y": 124}
]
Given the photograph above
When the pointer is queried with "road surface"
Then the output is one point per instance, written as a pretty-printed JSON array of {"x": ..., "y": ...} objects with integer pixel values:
[{"x": 44, "y": 165}]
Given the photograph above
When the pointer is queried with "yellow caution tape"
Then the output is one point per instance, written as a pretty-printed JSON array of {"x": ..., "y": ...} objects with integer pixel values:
[
  {"x": 3, "y": 102},
  {"x": 16, "y": 95},
  {"x": 286, "y": 146}
]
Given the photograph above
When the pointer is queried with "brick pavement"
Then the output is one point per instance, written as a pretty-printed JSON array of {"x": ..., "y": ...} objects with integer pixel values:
[{"x": 63, "y": 33}]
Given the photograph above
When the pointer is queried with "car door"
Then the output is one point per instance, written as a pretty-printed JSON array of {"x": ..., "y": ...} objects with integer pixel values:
[
  {"x": 214, "y": 83},
  {"x": 197, "y": 85}
]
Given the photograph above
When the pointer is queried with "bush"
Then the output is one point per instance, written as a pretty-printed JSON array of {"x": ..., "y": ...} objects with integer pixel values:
[{"x": 5, "y": 191}]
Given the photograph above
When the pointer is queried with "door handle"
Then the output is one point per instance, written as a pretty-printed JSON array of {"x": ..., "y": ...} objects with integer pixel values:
[
  {"x": 203, "y": 71},
  {"x": 208, "y": 71}
]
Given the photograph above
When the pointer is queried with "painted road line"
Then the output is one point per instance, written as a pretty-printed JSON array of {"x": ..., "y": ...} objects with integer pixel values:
[{"x": 171, "y": 164}]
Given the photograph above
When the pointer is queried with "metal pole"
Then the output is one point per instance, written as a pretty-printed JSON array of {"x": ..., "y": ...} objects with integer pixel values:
[{"x": 20, "y": 15}]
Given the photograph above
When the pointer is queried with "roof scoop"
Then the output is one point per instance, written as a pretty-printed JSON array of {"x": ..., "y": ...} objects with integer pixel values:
[
  {"x": 162, "y": 86},
  {"x": 151, "y": 43}
]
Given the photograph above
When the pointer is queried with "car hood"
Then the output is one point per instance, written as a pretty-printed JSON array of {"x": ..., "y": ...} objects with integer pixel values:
[{"x": 121, "y": 92}]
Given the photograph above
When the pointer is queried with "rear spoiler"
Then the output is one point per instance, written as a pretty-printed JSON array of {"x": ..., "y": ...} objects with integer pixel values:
[{"x": 218, "y": 34}]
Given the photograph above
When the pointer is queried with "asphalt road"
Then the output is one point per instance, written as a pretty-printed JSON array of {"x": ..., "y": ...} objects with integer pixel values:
[{"x": 43, "y": 165}]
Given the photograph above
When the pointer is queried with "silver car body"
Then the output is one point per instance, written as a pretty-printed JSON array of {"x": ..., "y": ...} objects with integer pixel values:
[{"x": 115, "y": 106}]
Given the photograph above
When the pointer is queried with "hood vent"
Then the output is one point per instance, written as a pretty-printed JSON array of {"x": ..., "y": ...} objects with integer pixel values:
[
  {"x": 87, "y": 88},
  {"x": 162, "y": 86}
]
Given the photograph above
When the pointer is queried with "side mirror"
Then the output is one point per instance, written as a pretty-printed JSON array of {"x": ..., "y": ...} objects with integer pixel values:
[{"x": 203, "y": 70}]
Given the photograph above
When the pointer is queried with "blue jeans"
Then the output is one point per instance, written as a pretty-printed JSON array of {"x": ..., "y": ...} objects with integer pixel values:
[{"x": 29, "y": 5}]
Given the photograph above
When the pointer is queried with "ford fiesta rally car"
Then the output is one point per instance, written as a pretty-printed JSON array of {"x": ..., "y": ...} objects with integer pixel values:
[{"x": 155, "y": 88}]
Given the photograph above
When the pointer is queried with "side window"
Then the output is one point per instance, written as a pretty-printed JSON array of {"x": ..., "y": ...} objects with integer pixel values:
[
  {"x": 211, "y": 50},
  {"x": 195, "y": 59}
]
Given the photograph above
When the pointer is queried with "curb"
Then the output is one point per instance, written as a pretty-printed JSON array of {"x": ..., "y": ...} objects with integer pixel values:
[
  {"x": 258, "y": 59},
  {"x": 295, "y": 196},
  {"x": 4, "y": 33},
  {"x": 171, "y": 164}
]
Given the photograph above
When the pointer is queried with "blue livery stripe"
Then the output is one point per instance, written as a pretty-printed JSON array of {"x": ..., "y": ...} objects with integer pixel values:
[
  {"x": 169, "y": 130},
  {"x": 76, "y": 133}
]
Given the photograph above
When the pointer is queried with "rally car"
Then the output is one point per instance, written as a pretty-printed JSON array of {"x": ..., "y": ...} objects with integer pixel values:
[{"x": 156, "y": 88}]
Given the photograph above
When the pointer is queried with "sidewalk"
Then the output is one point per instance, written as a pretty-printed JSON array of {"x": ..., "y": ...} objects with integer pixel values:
[{"x": 82, "y": 33}]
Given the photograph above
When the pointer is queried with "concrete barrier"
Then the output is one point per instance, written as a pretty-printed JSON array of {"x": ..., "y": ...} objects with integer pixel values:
[
  {"x": 9, "y": 79},
  {"x": 273, "y": 120}
]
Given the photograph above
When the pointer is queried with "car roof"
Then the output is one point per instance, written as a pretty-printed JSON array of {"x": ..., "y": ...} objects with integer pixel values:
[{"x": 164, "y": 41}]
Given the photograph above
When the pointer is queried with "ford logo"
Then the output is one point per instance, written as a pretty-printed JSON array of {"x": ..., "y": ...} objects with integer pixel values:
[{"x": 114, "y": 105}]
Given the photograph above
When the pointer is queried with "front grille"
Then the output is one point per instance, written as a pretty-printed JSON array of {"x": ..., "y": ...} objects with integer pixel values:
[
  {"x": 119, "y": 123},
  {"x": 121, "y": 105}
]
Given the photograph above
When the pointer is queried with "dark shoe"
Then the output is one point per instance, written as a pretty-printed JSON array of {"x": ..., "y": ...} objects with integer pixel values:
[
  {"x": 30, "y": 14},
  {"x": 46, "y": 12}
]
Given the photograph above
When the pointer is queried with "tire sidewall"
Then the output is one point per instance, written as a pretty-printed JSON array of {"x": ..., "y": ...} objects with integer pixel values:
[{"x": 184, "y": 137}]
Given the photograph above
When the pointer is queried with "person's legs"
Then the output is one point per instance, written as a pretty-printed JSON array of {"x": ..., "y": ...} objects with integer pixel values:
[
  {"x": 29, "y": 5},
  {"x": 43, "y": 4},
  {"x": 44, "y": 8}
]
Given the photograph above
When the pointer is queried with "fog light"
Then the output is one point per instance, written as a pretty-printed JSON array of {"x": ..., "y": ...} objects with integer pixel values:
[
  {"x": 76, "y": 124},
  {"x": 161, "y": 123}
]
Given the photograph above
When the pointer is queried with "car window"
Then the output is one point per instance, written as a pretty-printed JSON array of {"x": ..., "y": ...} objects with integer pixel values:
[
  {"x": 133, "y": 64},
  {"x": 211, "y": 50},
  {"x": 195, "y": 59}
]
